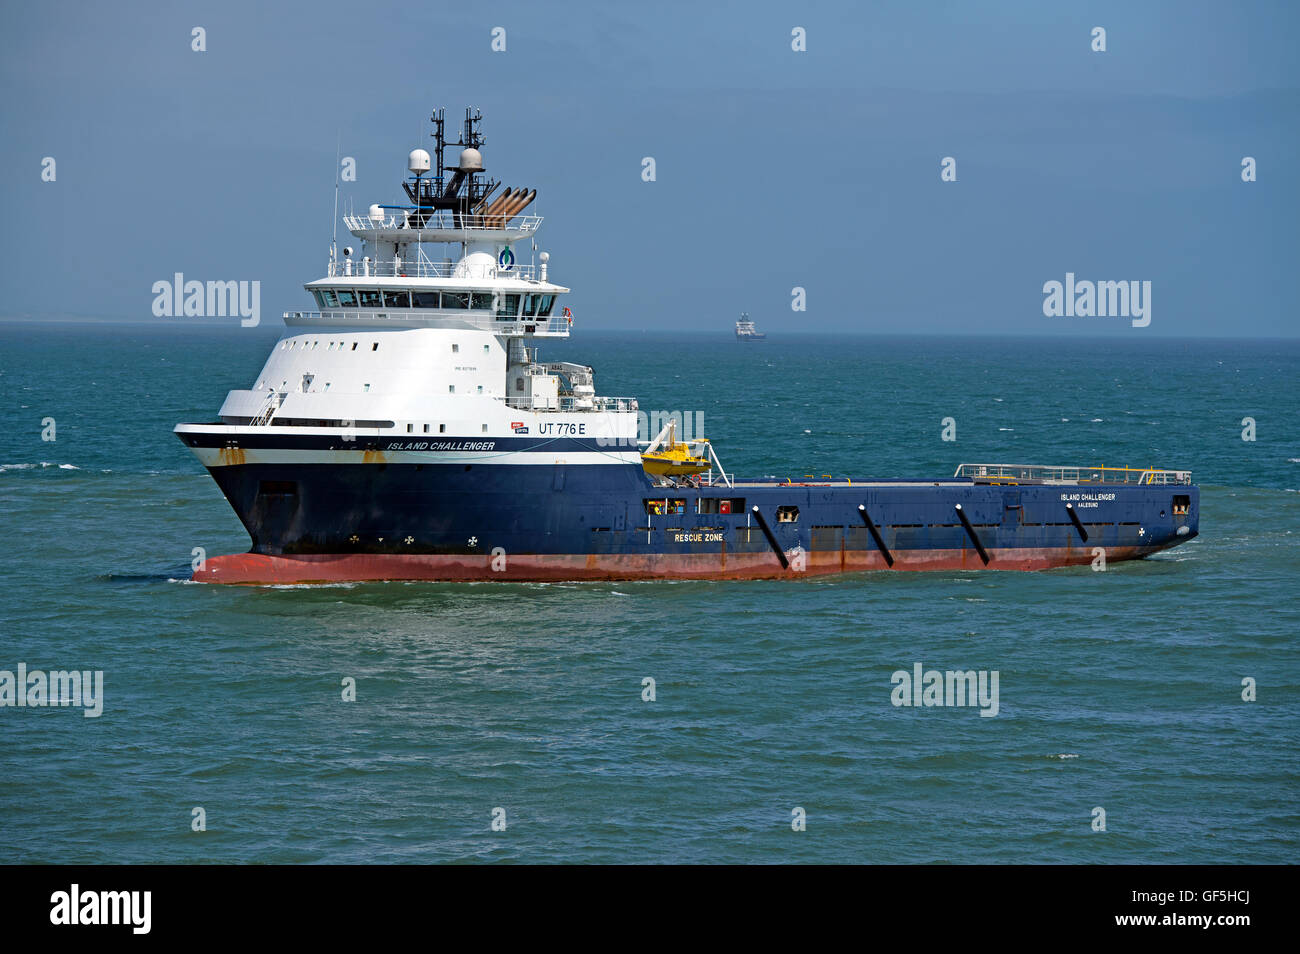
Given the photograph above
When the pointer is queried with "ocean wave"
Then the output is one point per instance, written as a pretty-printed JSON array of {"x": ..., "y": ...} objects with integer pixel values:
[
  {"x": 41, "y": 465},
  {"x": 312, "y": 586}
]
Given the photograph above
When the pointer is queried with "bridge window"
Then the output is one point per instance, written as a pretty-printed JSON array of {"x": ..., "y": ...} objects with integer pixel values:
[
  {"x": 455, "y": 299},
  {"x": 397, "y": 299},
  {"x": 326, "y": 298},
  {"x": 370, "y": 298},
  {"x": 548, "y": 301},
  {"x": 425, "y": 299},
  {"x": 481, "y": 300},
  {"x": 347, "y": 298},
  {"x": 509, "y": 306}
]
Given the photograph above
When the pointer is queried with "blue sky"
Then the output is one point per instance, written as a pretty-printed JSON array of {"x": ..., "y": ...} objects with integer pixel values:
[{"x": 775, "y": 168}]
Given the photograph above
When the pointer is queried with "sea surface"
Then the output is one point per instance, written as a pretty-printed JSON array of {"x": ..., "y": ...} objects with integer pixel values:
[{"x": 1118, "y": 690}]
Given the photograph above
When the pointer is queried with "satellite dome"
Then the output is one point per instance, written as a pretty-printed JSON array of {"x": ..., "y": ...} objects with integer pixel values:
[
  {"x": 376, "y": 213},
  {"x": 418, "y": 161},
  {"x": 471, "y": 160}
]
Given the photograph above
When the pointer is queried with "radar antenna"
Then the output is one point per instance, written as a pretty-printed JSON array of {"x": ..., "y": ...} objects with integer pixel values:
[{"x": 462, "y": 189}]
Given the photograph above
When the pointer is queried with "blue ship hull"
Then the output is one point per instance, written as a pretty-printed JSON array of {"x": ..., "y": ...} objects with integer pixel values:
[{"x": 385, "y": 517}]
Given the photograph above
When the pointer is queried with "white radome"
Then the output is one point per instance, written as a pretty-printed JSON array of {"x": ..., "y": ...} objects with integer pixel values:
[
  {"x": 471, "y": 160},
  {"x": 418, "y": 161}
]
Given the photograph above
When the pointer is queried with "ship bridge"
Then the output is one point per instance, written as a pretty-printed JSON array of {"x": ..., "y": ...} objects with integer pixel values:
[
  {"x": 480, "y": 284},
  {"x": 424, "y": 329}
]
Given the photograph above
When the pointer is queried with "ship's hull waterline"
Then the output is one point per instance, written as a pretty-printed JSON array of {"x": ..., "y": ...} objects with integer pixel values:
[{"x": 263, "y": 569}]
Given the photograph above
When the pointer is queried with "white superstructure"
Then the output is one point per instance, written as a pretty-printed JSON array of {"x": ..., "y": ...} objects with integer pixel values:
[{"x": 430, "y": 327}]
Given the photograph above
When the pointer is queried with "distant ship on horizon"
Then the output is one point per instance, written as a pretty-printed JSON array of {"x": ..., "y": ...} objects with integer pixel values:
[{"x": 747, "y": 330}]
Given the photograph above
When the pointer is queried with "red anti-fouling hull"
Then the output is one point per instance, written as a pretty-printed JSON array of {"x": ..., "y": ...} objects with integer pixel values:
[{"x": 259, "y": 568}]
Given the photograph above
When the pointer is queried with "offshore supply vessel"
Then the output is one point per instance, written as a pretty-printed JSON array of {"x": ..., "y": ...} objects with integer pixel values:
[
  {"x": 746, "y": 330},
  {"x": 406, "y": 430}
]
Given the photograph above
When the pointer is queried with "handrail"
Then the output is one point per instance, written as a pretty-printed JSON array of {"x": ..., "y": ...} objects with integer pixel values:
[
  {"x": 567, "y": 403},
  {"x": 401, "y": 268},
  {"x": 1064, "y": 474},
  {"x": 443, "y": 222},
  {"x": 268, "y": 408},
  {"x": 480, "y": 320}
]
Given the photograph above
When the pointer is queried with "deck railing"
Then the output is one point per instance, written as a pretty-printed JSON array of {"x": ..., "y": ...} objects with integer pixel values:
[
  {"x": 409, "y": 268},
  {"x": 479, "y": 320},
  {"x": 1055, "y": 474},
  {"x": 569, "y": 403},
  {"x": 442, "y": 222}
]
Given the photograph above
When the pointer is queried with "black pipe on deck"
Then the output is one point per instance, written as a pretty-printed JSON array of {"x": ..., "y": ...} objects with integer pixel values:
[
  {"x": 875, "y": 535},
  {"x": 1078, "y": 524},
  {"x": 771, "y": 538},
  {"x": 974, "y": 538}
]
